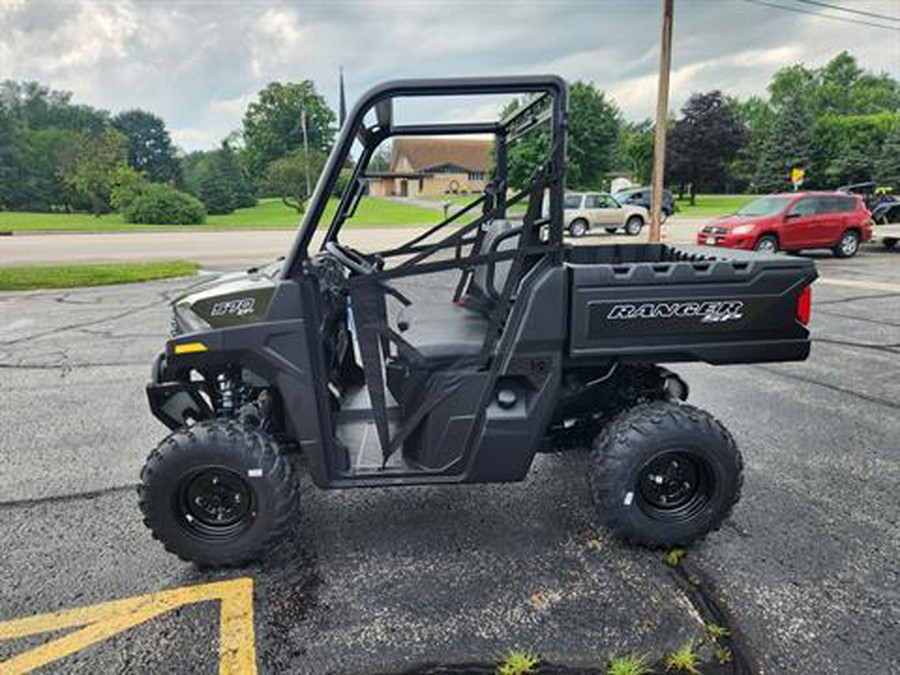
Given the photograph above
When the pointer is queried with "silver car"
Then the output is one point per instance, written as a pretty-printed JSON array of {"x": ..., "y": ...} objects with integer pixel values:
[{"x": 587, "y": 210}]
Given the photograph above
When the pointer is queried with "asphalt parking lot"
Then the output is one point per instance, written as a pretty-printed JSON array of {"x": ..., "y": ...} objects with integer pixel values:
[{"x": 806, "y": 571}]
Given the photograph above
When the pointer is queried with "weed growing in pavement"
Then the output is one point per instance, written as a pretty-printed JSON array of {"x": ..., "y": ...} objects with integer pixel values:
[
  {"x": 684, "y": 660},
  {"x": 519, "y": 663},
  {"x": 674, "y": 556},
  {"x": 722, "y": 655},
  {"x": 629, "y": 665},
  {"x": 717, "y": 632}
]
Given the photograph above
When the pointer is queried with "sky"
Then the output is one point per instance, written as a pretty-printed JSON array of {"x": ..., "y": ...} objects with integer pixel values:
[{"x": 198, "y": 63}]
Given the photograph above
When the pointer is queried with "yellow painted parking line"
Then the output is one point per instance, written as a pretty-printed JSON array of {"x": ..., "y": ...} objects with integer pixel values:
[
  {"x": 237, "y": 642},
  {"x": 855, "y": 283}
]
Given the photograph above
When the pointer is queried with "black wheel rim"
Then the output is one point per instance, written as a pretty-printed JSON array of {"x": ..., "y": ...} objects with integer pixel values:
[
  {"x": 215, "y": 504},
  {"x": 675, "y": 486}
]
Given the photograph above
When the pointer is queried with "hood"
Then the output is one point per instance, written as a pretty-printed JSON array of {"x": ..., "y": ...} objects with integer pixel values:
[
  {"x": 227, "y": 300},
  {"x": 732, "y": 221}
]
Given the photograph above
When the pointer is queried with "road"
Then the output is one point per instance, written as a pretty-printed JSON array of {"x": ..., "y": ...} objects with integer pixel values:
[
  {"x": 219, "y": 249},
  {"x": 806, "y": 570}
]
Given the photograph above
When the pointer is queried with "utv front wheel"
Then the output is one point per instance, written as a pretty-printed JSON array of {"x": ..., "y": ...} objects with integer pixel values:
[
  {"x": 218, "y": 493},
  {"x": 665, "y": 474}
]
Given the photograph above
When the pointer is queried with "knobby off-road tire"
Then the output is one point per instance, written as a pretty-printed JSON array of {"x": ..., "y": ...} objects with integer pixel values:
[
  {"x": 652, "y": 448},
  {"x": 218, "y": 493}
]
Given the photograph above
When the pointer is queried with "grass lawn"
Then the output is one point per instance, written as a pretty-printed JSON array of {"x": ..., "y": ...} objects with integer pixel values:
[
  {"x": 710, "y": 206},
  {"x": 67, "y": 276},
  {"x": 267, "y": 213}
]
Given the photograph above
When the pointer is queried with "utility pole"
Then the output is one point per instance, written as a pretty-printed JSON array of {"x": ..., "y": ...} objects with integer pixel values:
[
  {"x": 662, "y": 115},
  {"x": 305, "y": 147}
]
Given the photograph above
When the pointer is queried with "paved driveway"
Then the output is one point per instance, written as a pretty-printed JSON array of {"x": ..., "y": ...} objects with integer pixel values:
[{"x": 806, "y": 571}]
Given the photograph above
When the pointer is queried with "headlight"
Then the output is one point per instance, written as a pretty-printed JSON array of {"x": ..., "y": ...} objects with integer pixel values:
[{"x": 743, "y": 229}]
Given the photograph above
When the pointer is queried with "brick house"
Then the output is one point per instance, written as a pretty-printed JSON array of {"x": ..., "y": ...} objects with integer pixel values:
[{"x": 433, "y": 166}]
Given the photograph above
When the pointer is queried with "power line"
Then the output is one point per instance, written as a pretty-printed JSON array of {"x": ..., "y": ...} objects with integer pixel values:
[
  {"x": 861, "y": 12},
  {"x": 822, "y": 16}
]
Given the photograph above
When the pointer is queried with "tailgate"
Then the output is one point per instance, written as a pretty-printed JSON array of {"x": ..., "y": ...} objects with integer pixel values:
[{"x": 739, "y": 309}]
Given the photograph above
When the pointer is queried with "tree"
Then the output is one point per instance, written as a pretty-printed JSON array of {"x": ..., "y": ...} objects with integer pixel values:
[
  {"x": 233, "y": 175},
  {"x": 594, "y": 123},
  {"x": 218, "y": 180},
  {"x": 99, "y": 155},
  {"x": 150, "y": 148},
  {"x": 846, "y": 148},
  {"x": 887, "y": 168},
  {"x": 381, "y": 159},
  {"x": 272, "y": 125},
  {"x": 286, "y": 178},
  {"x": 10, "y": 159},
  {"x": 702, "y": 144},
  {"x": 757, "y": 117},
  {"x": 637, "y": 147},
  {"x": 787, "y": 146}
]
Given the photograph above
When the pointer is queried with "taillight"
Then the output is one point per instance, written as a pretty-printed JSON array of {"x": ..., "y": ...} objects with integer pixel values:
[{"x": 804, "y": 305}]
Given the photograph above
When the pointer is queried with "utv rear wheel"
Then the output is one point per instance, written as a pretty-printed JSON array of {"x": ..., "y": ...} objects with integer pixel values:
[
  {"x": 848, "y": 245},
  {"x": 578, "y": 227},
  {"x": 634, "y": 225},
  {"x": 889, "y": 243},
  {"x": 665, "y": 474},
  {"x": 218, "y": 493}
]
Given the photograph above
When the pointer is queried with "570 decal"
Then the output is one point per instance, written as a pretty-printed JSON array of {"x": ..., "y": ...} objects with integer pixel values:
[
  {"x": 238, "y": 307},
  {"x": 711, "y": 311}
]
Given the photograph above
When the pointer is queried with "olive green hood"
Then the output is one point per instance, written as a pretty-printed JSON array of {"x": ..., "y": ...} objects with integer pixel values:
[{"x": 227, "y": 300}]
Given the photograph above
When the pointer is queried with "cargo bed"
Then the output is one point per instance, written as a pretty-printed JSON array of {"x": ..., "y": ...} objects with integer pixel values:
[{"x": 663, "y": 303}]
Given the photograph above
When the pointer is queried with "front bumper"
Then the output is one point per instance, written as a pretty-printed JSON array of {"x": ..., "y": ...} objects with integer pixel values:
[
  {"x": 175, "y": 402},
  {"x": 726, "y": 239}
]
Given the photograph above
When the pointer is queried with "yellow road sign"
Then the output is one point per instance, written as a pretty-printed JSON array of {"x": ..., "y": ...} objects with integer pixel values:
[{"x": 237, "y": 642}]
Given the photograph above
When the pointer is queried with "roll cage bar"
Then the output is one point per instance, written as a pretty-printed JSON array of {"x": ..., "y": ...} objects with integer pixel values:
[{"x": 550, "y": 104}]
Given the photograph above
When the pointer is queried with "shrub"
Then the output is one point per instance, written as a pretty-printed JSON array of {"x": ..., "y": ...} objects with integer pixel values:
[
  {"x": 162, "y": 205},
  {"x": 127, "y": 185}
]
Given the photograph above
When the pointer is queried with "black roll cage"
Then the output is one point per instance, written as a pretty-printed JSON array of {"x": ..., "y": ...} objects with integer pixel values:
[{"x": 550, "y": 105}]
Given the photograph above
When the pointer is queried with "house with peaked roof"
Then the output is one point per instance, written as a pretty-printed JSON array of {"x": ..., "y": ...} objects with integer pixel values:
[{"x": 424, "y": 166}]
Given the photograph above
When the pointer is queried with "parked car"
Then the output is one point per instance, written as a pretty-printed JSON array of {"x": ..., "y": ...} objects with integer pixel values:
[
  {"x": 886, "y": 217},
  {"x": 794, "y": 221},
  {"x": 585, "y": 210},
  {"x": 641, "y": 197}
]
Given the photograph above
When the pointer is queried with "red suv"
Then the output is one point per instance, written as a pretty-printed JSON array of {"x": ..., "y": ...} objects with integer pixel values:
[{"x": 794, "y": 221}]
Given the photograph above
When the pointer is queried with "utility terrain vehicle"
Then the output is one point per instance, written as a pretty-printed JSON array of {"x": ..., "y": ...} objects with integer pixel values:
[{"x": 457, "y": 355}]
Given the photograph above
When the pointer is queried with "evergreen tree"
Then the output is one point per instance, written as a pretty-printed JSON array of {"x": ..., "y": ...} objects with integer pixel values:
[
  {"x": 887, "y": 168},
  {"x": 788, "y": 145}
]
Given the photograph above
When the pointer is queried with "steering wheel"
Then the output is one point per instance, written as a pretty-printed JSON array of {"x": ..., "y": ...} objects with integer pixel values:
[{"x": 351, "y": 259}]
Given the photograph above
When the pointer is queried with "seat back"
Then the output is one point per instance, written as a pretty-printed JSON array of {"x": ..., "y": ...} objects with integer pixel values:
[{"x": 485, "y": 285}]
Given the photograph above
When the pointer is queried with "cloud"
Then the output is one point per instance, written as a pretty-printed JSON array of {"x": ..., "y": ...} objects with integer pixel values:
[{"x": 197, "y": 64}]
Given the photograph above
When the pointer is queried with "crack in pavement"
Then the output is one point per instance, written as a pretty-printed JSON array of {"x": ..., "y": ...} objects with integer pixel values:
[
  {"x": 71, "y": 496},
  {"x": 704, "y": 597},
  {"x": 827, "y": 385},
  {"x": 162, "y": 298},
  {"x": 68, "y": 366},
  {"x": 878, "y": 322},
  {"x": 854, "y": 298},
  {"x": 888, "y": 349}
]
